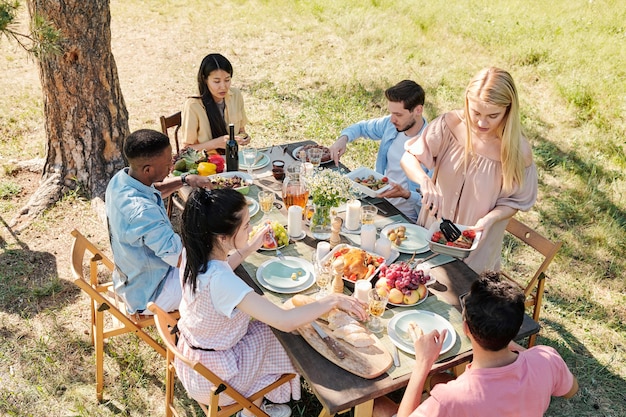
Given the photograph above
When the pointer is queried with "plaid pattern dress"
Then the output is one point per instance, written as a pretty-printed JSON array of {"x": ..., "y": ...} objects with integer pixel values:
[{"x": 247, "y": 354}]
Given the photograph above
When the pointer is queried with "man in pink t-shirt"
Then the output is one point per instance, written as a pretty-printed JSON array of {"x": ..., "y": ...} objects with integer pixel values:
[{"x": 503, "y": 378}]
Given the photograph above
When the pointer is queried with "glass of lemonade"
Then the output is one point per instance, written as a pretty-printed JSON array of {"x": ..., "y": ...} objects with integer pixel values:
[
  {"x": 266, "y": 201},
  {"x": 376, "y": 304}
]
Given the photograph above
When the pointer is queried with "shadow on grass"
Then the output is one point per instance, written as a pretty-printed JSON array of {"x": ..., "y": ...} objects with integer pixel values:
[
  {"x": 29, "y": 280},
  {"x": 601, "y": 391}
]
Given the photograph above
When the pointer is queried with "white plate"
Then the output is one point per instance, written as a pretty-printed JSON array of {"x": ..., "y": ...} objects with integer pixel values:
[
  {"x": 262, "y": 163},
  {"x": 279, "y": 274},
  {"x": 366, "y": 172},
  {"x": 416, "y": 241},
  {"x": 295, "y": 155},
  {"x": 307, "y": 266},
  {"x": 253, "y": 206},
  {"x": 398, "y": 325},
  {"x": 409, "y": 305}
]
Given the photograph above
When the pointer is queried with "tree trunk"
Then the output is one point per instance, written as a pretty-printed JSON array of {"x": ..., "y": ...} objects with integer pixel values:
[{"x": 86, "y": 117}]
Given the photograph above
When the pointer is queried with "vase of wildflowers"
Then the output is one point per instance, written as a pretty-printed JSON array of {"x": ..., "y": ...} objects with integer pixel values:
[{"x": 328, "y": 190}]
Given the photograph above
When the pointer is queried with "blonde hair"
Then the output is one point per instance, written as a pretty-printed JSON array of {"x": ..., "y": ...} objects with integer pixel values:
[{"x": 495, "y": 86}]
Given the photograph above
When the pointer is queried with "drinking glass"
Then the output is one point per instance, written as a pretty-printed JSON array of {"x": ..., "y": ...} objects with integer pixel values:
[
  {"x": 376, "y": 305},
  {"x": 323, "y": 276},
  {"x": 368, "y": 214},
  {"x": 249, "y": 157},
  {"x": 266, "y": 201},
  {"x": 315, "y": 157}
]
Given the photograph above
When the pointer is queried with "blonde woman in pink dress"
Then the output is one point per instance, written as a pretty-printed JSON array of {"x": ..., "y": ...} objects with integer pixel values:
[
  {"x": 223, "y": 323},
  {"x": 483, "y": 169}
]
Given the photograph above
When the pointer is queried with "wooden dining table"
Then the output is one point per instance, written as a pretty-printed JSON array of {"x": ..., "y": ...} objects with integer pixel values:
[{"x": 337, "y": 389}]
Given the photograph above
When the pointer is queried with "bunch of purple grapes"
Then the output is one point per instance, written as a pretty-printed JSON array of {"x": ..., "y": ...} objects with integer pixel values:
[{"x": 402, "y": 277}]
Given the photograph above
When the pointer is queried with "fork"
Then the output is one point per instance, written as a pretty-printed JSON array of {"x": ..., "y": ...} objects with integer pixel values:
[{"x": 278, "y": 252}]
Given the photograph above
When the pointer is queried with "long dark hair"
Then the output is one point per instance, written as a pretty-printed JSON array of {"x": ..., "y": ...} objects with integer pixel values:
[
  {"x": 207, "y": 215},
  {"x": 210, "y": 63}
]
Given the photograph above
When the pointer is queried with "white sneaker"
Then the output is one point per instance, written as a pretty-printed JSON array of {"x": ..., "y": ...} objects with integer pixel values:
[{"x": 274, "y": 410}]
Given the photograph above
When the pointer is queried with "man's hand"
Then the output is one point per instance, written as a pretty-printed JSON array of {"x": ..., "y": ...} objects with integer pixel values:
[
  {"x": 338, "y": 148},
  {"x": 199, "y": 181},
  {"x": 428, "y": 346},
  {"x": 395, "y": 190}
]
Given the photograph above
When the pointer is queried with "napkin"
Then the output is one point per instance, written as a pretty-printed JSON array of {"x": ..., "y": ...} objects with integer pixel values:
[{"x": 438, "y": 260}]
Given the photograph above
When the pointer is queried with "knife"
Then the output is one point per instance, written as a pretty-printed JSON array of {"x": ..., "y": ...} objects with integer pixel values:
[
  {"x": 396, "y": 357},
  {"x": 331, "y": 343}
]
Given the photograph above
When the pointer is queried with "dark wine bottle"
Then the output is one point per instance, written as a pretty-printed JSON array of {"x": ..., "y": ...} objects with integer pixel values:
[{"x": 232, "y": 151}]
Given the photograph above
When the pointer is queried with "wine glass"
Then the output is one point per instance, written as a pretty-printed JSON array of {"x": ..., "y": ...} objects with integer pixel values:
[
  {"x": 323, "y": 276},
  {"x": 315, "y": 157},
  {"x": 249, "y": 157},
  {"x": 376, "y": 305},
  {"x": 266, "y": 201}
]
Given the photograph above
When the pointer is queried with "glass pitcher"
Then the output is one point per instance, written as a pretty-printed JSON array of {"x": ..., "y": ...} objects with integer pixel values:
[{"x": 295, "y": 191}]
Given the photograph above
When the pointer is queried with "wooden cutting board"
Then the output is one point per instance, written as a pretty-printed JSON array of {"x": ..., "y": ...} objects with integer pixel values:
[{"x": 368, "y": 362}]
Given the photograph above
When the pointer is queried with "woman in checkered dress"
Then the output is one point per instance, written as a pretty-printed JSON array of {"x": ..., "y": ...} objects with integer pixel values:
[{"x": 223, "y": 323}]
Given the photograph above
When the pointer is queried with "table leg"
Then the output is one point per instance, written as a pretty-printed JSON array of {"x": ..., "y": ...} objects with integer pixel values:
[{"x": 365, "y": 409}]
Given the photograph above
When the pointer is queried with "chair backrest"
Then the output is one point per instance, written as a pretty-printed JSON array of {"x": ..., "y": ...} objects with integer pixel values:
[
  {"x": 103, "y": 301},
  {"x": 166, "y": 326},
  {"x": 168, "y": 122},
  {"x": 533, "y": 286},
  {"x": 80, "y": 246}
]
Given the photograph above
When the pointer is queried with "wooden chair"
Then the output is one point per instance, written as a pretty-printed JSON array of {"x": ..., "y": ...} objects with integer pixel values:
[
  {"x": 104, "y": 300},
  {"x": 173, "y": 121},
  {"x": 533, "y": 288},
  {"x": 166, "y": 326}
]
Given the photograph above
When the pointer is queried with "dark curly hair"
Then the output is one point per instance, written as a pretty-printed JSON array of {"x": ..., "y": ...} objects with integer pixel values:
[{"x": 494, "y": 311}]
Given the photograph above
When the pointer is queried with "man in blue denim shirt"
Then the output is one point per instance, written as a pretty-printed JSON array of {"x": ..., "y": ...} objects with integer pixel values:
[
  {"x": 145, "y": 248},
  {"x": 405, "y": 105}
]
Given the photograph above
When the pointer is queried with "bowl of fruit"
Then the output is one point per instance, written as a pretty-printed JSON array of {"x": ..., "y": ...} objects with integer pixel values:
[
  {"x": 236, "y": 180},
  {"x": 275, "y": 238},
  {"x": 406, "y": 286},
  {"x": 460, "y": 248}
]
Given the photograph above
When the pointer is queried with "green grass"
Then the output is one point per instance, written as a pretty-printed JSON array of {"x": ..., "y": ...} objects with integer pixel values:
[{"x": 307, "y": 69}]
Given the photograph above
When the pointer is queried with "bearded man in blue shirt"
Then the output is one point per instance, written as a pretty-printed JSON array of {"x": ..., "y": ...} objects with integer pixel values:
[{"x": 405, "y": 105}]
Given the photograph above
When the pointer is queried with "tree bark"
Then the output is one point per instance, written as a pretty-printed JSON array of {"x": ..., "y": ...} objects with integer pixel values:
[{"x": 86, "y": 117}]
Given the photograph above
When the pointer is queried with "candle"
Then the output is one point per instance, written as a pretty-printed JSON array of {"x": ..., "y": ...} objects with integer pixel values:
[
  {"x": 368, "y": 237},
  {"x": 383, "y": 247},
  {"x": 353, "y": 214},
  {"x": 322, "y": 250},
  {"x": 294, "y": 221},
  {"x": 308, "y": 169},
  {"x": 361, "y": 288}
]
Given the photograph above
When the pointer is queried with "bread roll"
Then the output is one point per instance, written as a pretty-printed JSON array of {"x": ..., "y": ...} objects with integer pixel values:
[
  {"x": 343, "y": 331},
  {"x": 300, "y": 300},
  {"x": 415, "y": 331},
  {"x": 359, "y": 339},
  {"x": 337, "y": 319}
]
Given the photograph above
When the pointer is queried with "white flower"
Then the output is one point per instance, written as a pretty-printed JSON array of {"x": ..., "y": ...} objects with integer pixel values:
[{"x": 329, "y": 187}]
